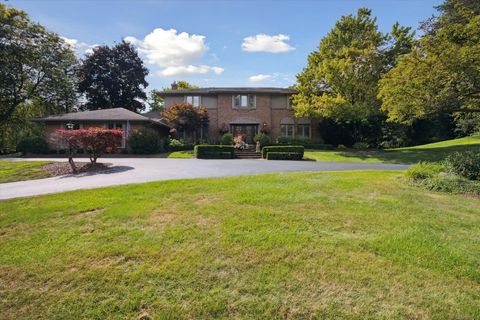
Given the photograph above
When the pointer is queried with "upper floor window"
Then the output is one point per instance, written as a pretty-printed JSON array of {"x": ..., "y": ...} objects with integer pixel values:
[
  {"x": 193, "y": 100},
  {"x": 244, "y": 101}
]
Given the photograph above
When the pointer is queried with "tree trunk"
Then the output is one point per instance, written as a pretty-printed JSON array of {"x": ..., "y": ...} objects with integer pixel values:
[{"x": 72, "y": 164}]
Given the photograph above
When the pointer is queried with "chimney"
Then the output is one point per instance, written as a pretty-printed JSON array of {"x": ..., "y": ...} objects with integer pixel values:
[{"x": 174, "y": 85}]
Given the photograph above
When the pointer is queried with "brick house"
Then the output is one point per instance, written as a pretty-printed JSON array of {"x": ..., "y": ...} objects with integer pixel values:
[
  {"x": 244, "y": 110},
  {"x": 116, "y": 118}
]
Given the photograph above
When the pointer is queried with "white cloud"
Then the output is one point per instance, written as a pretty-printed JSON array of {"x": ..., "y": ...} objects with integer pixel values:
[
  {"x": 79, "y": 46},
  {"x": 266, "y": 43},
  {"x": 189, "y": 70},
  {"x": 176, "y": 53},
  {"x": 259, "y": 77}
]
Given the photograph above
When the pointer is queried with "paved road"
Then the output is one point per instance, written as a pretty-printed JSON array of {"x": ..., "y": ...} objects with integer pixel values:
[{"x": 138, "y": 170}]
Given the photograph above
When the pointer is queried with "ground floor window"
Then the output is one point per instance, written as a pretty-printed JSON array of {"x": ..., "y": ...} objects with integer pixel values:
[
  {"x": 286, "y": 130},
  {"x": 303, "y": 131},
  {"x": 115, "y": 125}
]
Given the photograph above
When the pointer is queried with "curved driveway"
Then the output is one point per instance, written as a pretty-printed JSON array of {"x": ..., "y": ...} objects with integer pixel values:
[{"x": 138, "y": 170}]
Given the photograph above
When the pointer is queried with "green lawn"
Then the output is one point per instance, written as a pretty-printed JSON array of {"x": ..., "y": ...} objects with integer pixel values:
[
  {"x": 181, "y": 154},
  {"x": 429, "y": 152},
  {"x": 360, "y": 245},
  {"x": 22, "y": 170}
]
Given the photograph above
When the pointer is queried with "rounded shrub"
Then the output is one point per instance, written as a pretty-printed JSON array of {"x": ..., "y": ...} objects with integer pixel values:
[
  {"x": 36, "y": 145},
  {"x": 227, "y": 139},
  {"x": 262, "y": 138},
  {"x": 144, "y": 141},
  {"x": 465, "y": 164}
]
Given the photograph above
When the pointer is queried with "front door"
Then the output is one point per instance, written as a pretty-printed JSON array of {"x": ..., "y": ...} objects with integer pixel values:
[{"x": 247, "y": 130}]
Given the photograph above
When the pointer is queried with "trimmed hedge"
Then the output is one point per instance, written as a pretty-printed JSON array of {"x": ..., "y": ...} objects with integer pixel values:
[
  {"x": 35, "y": 145},
  {"x": 213, "y": 152},
  {"x": 284, "y": 156},
  {"x": 296, "y": 149},
  {"x": 307, "y": 143}
]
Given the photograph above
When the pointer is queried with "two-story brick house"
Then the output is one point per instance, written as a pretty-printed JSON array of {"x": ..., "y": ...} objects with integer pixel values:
[{"x": 245, "y": 110}]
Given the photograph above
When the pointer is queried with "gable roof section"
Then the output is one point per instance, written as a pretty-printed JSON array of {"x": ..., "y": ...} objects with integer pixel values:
[
  {"x": 114, "y": 114},
  {"x": 207, "y": 91}
]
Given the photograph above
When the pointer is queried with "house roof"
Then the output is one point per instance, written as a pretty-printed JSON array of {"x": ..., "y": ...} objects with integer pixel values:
[
  {"x": 113, "y": 114},
  {"x": 228, "y": 90}
]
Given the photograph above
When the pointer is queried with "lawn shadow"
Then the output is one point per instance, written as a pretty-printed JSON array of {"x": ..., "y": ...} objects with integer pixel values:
[{"x": 410, "y": 155}]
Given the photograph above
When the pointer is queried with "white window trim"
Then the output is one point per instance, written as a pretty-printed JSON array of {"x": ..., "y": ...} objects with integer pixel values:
[
  {"x": 293, "y": 130},
  {"x": 246, "y": 107},
  {"x": 193, "y": 99}
]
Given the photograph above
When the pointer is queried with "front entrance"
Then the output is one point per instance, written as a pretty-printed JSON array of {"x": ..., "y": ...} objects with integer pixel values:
[{"x": 248, "y": 130}]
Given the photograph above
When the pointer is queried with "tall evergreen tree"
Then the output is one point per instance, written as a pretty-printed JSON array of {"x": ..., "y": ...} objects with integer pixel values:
[{"x": 113, "y": 77}]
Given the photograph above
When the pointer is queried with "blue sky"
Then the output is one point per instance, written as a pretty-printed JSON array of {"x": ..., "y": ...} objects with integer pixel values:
[{"x": 215, "y": 43}]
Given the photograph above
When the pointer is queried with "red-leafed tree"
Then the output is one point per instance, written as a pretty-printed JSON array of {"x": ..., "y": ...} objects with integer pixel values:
[
  {"x": 94, "y": 141},
  {"x": 187, "y": 118}
]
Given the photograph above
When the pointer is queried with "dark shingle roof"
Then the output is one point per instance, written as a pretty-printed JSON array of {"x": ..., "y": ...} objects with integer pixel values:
[
  {"x": 229, "y": 90},
  {"x": 114, "y": 114}
]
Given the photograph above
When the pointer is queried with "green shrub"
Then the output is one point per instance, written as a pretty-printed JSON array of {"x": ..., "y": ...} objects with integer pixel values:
[
  {"x": 262, "y": 138},
  {"x": 213, "y": 152},
  {"x": 284, "y": 156},
  {"x": 451, "y": 184},
  {"x": 179, "y": 145},
  {"x": 423, "y": 170},
  {"x": 361, "y": 145},
  {"x": 465, "y": 164},
  {"x": 227, "y": 139},
  {"x": 307, "y": 143},
  {"x": 34, "y": 145},
  {"x": 144, "y": 141},
  {"x": 297, "y": 149},
  {"x": 342, "y": 147}
]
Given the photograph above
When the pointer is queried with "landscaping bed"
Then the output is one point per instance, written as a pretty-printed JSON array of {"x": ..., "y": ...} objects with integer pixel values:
[{"x": 63, "y": 168}]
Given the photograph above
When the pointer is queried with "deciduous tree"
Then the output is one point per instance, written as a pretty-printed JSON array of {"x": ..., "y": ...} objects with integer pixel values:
[
  {"x": 113, "y": 77},
  {"x": 35, "y": 66},
  {"x": 442, "y": 73},
  {"x": 184, "y": 117}
]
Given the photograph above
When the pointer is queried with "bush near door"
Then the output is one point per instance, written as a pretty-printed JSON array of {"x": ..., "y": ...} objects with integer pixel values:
[
  {"x": 295, "y": 149},
  {"x": 213, "y": 152}
]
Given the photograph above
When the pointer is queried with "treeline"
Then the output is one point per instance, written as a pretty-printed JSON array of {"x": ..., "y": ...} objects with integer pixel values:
[{"x": 396, "y": 89}]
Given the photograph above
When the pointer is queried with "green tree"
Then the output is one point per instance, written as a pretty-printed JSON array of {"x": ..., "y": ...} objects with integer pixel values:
[
  {"x": 442, "y": 73},
  {"x": 155, "y": 101},
  {"x": 37, "y": 76},
  {"x": 113, "y": 77},
  {"x": 341, "y": 79},
  {"x": 35, "y": 66}
]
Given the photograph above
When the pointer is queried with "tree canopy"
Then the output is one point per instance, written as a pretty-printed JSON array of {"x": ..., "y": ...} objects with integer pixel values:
[
  {"x": 341, "y": 79},
  {"x": 36, "y": 66},
  {"x": 113, "y": 77},
  {"x": 442, "y": 73}
]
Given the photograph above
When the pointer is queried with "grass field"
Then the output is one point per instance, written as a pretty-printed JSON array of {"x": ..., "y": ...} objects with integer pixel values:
[
  {"x": 409, "y": 155},
  {"x": 22, "y": 170},
  {"x": 330, "y": 245}
]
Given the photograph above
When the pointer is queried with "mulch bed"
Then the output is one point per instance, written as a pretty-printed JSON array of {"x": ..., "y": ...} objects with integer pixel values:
[{"x": 63, "y": 168}]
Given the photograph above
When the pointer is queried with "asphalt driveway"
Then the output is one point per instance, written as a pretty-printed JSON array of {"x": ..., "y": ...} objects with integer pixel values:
[{"x": 138, "y": 170}]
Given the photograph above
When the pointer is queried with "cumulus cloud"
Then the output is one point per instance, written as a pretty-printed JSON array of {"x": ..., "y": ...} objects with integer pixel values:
[
  {"x": 176, "y": 53},
  {"x": 259, "y": 77},
  {"x": 79, "y": 46},
  {"x": 266, "y": 43}
]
